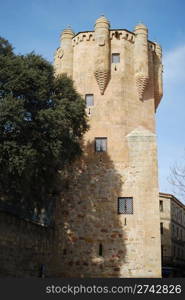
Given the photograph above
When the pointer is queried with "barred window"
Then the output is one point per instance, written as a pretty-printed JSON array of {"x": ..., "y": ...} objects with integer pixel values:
[
  {"x": 89, "y": 99},
  {"x": 125, "y": 205},
  {"x": 101, "y": 144},
  {"x": 115, "y": 58}
]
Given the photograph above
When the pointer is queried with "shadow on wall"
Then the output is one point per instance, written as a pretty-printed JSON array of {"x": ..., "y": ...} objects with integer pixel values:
[
  {"x": 90, "y": 232},
  {"x": 173, "y": 262},
  {"x": 24, "y": 247}
]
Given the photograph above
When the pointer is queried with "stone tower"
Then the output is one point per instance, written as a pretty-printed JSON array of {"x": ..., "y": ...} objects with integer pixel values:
[{"x": 108, "y": 217}]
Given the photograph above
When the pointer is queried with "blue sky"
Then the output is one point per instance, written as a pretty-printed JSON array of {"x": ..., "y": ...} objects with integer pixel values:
[{"x": 36, "y": 25}]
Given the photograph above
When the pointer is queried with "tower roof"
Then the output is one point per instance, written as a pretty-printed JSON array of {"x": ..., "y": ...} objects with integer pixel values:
[
  {"x": 67, "y": 31},
  {"x": 141, "y": 26},
  {"x": 102, "y": 19}
]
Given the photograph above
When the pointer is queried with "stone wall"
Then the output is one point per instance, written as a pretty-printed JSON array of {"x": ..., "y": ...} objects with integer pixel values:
[
  {"x": 123, "y": 112},
  {"x": 24, "y": 247}
]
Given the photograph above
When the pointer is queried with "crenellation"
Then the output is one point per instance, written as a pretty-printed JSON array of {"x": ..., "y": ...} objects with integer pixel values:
[
  {"x": 83, "y": 37},
  {"x": 90, "y": 37},
  {"x": 122, "y": 34}
]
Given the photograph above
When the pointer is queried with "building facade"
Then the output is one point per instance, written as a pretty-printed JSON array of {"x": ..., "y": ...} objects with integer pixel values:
[
  {"x": 172, "y": 224},
  {"x": 108, "y": 217}
]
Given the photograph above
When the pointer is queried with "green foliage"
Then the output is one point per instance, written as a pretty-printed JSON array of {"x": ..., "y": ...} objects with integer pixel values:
[
  {"x": 5, "y": 47},
  {"x": 42, "y": 120}
]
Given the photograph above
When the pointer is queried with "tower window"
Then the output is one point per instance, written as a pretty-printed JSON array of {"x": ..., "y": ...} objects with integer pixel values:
[
  {"x": 101, "y": 144},
  {"x": 125, "y": 205},
  {"x": 100, "y": 250},
  {"x": 115, "y": 58},
  {"x": 161, "y": 205},
  {"x": 89, "y": 99}
]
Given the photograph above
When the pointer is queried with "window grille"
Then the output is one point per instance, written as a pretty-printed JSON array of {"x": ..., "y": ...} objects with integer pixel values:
[
  {"x": 125, "y": 205},
  {"x": 89, "y": 99},
  {"x": 101, "y": 144}
]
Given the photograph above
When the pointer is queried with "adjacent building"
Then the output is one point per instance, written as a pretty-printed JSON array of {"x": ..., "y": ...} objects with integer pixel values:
[{"x": 172, "y": 226}]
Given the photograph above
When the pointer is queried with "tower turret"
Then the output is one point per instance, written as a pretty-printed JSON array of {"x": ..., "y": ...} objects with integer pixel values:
[
  {"x": 158, "y": 69},
  {"x": 102, "y": 53},
  {"x": 64, "y": 55},
  {"x": 141, "y": 58}
]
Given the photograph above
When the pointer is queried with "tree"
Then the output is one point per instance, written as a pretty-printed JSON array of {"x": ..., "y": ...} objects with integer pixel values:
[
  {"x": 177, "y": 179},
  {"x": 42, "y": 121},
  {"x": 5, "y": 47}
]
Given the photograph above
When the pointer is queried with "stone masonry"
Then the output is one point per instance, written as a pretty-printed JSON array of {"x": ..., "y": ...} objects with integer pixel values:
[
  {"x": 25, "y": 246},
  {"x": 121, "y": 73}
]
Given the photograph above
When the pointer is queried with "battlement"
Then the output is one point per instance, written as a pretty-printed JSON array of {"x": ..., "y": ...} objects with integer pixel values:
[
  {"x": 144, "y": 54},
  {"x": 113, "y": 34},
  {"x": 83, "y": 36}
]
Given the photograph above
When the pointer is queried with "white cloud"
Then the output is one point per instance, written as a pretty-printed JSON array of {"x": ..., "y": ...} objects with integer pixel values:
[{"x": 174, "y": 65}]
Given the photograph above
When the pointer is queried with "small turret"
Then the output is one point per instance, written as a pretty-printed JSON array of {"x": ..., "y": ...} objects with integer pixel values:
[
  {"x": 141, "y": 58},
  {"x": 158, "y": 69},
  {"x": 64, "y": 55},
  {"x": 102, "y": 53}
]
